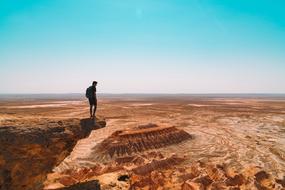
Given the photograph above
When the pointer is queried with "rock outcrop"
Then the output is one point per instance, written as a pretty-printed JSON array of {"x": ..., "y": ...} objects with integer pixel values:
[
  {"x": 29, "y": 152},
  {"x": 140, "y": 139},
  {"x": 202, "y": 176},
  {"x": 158, "y": 165}
]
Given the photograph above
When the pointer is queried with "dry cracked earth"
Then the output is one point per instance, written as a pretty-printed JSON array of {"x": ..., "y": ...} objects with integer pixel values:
[{"x": 167, "y": 142}]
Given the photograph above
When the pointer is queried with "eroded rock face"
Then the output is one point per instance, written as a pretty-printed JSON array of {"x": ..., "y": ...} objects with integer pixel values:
[
  {"x": 128, "y": 151},
  {"x": 29, "y": 152},
  {"x": 158, "y": 165},
  {"x": 199, "y": 176},
  {"x": 140, "y": 139}
]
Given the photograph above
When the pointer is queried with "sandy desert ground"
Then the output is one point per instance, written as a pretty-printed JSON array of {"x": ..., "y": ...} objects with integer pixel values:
[{"x": 235, "y": 142}]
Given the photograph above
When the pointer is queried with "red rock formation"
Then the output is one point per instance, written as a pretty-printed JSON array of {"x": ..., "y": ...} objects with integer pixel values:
[
  {"x": 153, "y": 180},
  {"x": 157, "y": 165},
  {"x": 189, "y": 185},
  {"x": 124, "y": 160},
  {"x": 198, "y": 177},
  {"x": 141, "y": 139},
  {"x": 28, "y": 153},
  {"x": 264, "y": 181},
  {"x": 77, "y": 176},
  {"x": 281, "y": 181}
]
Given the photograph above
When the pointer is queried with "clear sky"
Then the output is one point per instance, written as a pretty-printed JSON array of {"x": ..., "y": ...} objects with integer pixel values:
[{"x": 149, "y": 46}]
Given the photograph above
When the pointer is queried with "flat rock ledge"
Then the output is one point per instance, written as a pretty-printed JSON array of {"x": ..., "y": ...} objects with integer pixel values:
[{"x": 28, "y": 152}]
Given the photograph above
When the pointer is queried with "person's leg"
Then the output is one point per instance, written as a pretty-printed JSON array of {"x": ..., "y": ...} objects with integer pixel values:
[
  {"x": 91, "y": 110},
  {"x": 90, "y": 106},
  {"x": 95, "y": 107}
]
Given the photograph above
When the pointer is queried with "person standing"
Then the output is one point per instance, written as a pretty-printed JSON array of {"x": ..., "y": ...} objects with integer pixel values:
[{"x": 91, "y": 95}]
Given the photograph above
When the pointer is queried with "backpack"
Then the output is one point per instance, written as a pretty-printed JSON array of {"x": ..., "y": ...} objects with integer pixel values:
[{"x": 89, "y": 92}]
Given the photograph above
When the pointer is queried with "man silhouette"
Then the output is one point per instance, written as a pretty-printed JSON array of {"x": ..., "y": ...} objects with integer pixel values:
[{"x": 91, "y": 95}]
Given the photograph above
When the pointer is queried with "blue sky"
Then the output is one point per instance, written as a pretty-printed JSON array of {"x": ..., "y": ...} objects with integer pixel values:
[{"x": 149, "y": 46}]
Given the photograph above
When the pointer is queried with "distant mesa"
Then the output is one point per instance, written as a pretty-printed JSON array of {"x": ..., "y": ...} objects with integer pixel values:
[{"x": 141, "y": 138}]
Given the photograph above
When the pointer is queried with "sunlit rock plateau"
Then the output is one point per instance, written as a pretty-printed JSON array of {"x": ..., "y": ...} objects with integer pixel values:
[{"x": 149, "y": 142}]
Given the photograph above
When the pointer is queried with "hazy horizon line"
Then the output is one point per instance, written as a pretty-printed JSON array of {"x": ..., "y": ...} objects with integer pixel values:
[
  {"x": 81, "y": 96},
  {"x": 166, "y": 93}
]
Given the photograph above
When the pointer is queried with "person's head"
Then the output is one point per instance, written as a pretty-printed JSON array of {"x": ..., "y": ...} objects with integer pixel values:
[{"x": 94, "y": 83}]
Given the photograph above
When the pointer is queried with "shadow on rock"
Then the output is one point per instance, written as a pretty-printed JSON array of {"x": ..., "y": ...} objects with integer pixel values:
[
  {"x": 89, "y": 185},
  {"x": 92, "y": 123}
]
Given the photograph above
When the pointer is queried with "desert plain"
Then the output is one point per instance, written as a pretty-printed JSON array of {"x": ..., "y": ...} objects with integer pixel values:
[{"x": 164, "y": 141}]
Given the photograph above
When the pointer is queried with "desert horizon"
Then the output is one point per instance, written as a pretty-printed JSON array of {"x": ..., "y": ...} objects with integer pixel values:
[{"x": 81, "y": 95}]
